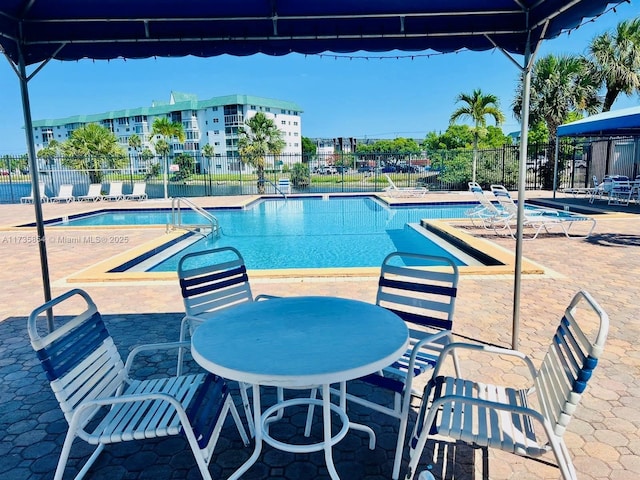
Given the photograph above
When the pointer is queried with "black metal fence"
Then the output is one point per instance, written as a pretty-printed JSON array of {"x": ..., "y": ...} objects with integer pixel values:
[{"x": 443, "y": 170}]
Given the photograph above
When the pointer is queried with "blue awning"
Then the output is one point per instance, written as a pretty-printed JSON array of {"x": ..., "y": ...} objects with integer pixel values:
[
  {"x": 105, "y": 29},
  {"x": 613, "y": 123}
]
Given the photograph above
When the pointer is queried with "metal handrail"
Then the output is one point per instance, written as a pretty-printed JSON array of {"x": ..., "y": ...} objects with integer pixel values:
[
  {"x": 176, "y": 218},
  {"x": 276, "y": 188}
]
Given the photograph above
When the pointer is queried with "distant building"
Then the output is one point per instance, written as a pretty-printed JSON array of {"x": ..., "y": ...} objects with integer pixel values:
[{"x": 214, "y": 122}]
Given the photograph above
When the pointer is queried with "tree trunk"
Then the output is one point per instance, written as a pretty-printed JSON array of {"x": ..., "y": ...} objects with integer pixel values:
[{"x": 261, "y": 180}]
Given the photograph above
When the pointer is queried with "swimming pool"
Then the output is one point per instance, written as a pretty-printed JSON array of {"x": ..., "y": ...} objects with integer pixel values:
[{"x": 299, "y": 233}]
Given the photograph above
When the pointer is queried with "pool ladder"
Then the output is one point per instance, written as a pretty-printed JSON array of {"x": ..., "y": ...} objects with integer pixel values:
[{"x": 210, "y": 227}]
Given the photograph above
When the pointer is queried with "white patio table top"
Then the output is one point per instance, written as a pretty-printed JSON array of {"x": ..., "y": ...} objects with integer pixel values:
[{"x": 297, "y": 342}]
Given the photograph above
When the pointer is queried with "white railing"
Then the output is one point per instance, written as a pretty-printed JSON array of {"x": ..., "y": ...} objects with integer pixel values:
[{"x": 211, "y": 224}]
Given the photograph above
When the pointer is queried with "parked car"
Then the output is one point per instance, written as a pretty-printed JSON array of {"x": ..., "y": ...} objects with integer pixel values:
[
  {"x": 342, "y": 169},
  {"x": 327, "y": 170},
  {"x": 388, "y": 169},
  {"x": 365, "y": 169},
  {"x": 407, "y": 169}
]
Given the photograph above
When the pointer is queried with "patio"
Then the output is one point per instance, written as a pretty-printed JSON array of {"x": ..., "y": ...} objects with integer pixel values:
[{"x": 603, "y": 437}]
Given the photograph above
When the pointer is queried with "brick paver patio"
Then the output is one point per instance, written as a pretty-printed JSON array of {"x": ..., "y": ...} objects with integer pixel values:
[{"x": 603, "y": 437}]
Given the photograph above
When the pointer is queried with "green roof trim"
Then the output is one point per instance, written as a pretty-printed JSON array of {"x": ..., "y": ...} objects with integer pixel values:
[{"x": 183, "y": 101}]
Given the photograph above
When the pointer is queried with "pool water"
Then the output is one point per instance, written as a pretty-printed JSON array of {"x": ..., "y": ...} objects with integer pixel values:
[{"x": 329, "y": 232}]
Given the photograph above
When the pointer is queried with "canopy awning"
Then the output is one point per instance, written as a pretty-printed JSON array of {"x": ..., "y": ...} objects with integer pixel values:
[
  {"x": 106, "y": 29},
  {"x": 614, "y": 123}
]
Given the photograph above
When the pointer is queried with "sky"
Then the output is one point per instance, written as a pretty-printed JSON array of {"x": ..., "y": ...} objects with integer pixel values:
[{"x": 362, "y": 96}]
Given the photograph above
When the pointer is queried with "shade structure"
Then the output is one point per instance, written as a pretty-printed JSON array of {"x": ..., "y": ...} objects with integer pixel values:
[
  {"x": 35, "y": 31},
  {"x": 75, "y": 29},
  {"x": 614, "y": 123}
]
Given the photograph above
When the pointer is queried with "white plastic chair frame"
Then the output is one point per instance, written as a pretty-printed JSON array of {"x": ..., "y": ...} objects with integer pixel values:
[
  {"x": 395, "y": 191},
  {"x": 65, "y": 194},
  {"x": 209, "y": 289},
  {"x": 541, "y": 218},
  {"x": 103, "y": 404},
  {"x": 94, "y": 194},
  {"x": 43, "y": 196},
  {"x": 489, "y": 215},
  {"x": 115, "y": 192},
  {"x": 503, "y": 417},
  {"x": 422, "y": 292},
  {"x": 139, "y": 192}
]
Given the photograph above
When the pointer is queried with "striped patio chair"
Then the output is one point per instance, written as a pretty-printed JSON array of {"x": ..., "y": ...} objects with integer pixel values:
[
  {"x": 527, "y": 421},
  {"x": 103, "y": 404}
]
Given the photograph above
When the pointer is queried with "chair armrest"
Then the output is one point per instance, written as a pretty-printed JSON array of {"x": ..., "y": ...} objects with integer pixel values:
[
  {"x": 153, "y": 346},
  {"x": 449, "y": 349}
]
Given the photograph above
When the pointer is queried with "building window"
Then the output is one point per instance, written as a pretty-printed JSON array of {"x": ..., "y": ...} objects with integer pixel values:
[
  {"x": 214, "y": 109},
  {"x": 267, "y": 109},
  {"x": 216, "y": 132},
  {"x": 295, "y": 123},
  {"x": 216, "y": 120},
  {"x": 283, "y": 122},
  {"x": 253, "y": 107}
]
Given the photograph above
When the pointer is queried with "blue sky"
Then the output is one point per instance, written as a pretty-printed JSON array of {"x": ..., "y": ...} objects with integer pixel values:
[{"x": 340, "y": 97}]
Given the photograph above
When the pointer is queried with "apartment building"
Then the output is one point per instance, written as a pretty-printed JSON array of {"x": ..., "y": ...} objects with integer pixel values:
[{"x": 214, "y": 121}]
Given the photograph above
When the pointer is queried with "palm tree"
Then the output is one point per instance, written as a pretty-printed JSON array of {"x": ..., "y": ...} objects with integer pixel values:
[
  {"x": 560, "y": 87},
  {"x": 616, "y": 60},
  {"x": 135, "y": 143},
  {"x": 258, "y": 138},
  {"x": 477, "y": 107},
  {"x": 93, "y": 147},
  {"x": 208, "y": 152},
  {"x": 166, "y": 129}
]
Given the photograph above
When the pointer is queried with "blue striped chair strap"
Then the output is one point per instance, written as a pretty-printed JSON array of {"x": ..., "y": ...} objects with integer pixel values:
[
  {"x": 63, "y": 354},
  {"x": 207, "y": 283}
]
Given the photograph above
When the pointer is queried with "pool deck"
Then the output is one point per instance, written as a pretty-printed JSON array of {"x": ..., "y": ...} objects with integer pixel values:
[{"x": 603, "y": 438}]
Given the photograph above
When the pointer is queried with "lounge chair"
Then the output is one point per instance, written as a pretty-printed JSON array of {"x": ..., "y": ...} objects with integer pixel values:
[
  {"x": 43, "y": 196},
  {"x": 115, "y": 192},
  {"x": 486, "y": 212},
  {"x": 139, "y": 192},
  {"x": 395, "y": 191},
  {"x": 104, "y": 404},
  {"x": 529, "y": 419},
  {"x": 284, "y": 186},
  {"x": 93, "y": 195},
  {"x": 541, "y": 218},
  {"x": 65, "y": 194}
]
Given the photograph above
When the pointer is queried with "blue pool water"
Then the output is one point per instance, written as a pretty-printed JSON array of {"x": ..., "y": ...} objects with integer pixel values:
[{"x": 305, "y": 233}]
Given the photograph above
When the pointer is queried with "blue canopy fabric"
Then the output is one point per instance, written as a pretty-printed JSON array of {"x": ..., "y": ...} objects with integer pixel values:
[
  {"x": 614, "y": 123},
  {"x": 106, "y": 29}
]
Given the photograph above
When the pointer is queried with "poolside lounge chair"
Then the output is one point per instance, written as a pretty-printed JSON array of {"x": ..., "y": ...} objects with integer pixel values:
[
  {"x": 541, "y": 218},
  {"x": 93, "y": 195},
  {"x": 284, "y": 186},
  {"x": 115, "y": 192},
  {"x": 486, "y": 212},
  {"x": 420, "y": 289},
  {"x": 528, "y": 420},
  {"x": 65, "y": 194},
  {"x": 139, "y": 192},
  {"x": 394, "y": 191},
  {"x": 43, "y": 196},
  {"x": 104, "y": 404},
  {"x": 621, "y": 190}
]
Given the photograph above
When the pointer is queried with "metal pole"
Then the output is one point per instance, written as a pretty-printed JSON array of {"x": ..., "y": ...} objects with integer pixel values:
[
  {"x": 524, "y": 128},
  {"x": 555, "y": 167},
  {"x": 35, "y": 185}
]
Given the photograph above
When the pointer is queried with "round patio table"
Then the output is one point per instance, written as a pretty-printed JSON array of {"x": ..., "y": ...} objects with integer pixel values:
[{"x": 300, "y": 342}]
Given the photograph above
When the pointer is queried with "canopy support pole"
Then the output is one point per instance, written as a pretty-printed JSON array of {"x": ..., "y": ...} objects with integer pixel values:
[{"x": 35, "y": 184}]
